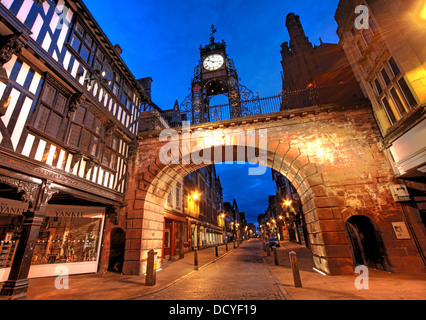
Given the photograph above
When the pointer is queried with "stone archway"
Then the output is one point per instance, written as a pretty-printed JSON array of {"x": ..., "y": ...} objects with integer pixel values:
[{"x": 330, "y": 156}]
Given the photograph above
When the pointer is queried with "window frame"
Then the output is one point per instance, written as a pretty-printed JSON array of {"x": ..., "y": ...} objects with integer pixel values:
[
  {"x": 85, "y": 128},
  {"x": 51, "y": 111},
  {"x": 393, "y": 91}
]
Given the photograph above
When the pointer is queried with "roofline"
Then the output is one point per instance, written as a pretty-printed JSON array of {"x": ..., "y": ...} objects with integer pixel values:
[{"x": 86, "y": 14}]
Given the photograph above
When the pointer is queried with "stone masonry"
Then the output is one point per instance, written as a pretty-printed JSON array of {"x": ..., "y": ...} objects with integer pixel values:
[{"x": 329, "y": 153}]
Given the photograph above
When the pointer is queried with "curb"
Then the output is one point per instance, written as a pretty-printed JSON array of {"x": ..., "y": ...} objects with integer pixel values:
[{"x": 278, "y": 283}]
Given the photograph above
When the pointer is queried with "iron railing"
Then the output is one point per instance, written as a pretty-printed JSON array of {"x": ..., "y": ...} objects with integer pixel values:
[{"x": 286, "y": 100}]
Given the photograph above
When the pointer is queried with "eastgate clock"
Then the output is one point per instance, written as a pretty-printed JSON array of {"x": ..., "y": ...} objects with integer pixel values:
[{"x": 213, "y": 62}]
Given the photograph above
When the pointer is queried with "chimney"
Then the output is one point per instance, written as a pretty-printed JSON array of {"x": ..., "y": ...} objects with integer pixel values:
[
  {"x": 146, "y": 84},
  {"x": 118, "y": 49}
]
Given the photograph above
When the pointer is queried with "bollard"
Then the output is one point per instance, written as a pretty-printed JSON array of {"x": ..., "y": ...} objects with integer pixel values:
[
  {"x": 151, "y": 269},
  {"x": 276, "y": 256},
  {"x": 195, "y": 258},
  {"x": 226, "y": 246},
  {"x": 234, "y": 244},
  {"x": 216, "y": 249},
  {"x": 268, "y": 250},
  {"x": 264, "y": 246},
  {"x": 295, "y": 268}
]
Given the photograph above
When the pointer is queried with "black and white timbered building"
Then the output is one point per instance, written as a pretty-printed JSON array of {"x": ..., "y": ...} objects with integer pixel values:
[{"x": 69, "y": 113}]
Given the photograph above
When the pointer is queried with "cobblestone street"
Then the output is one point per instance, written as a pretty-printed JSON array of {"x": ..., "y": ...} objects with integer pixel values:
[{"x": 240, "y": 275}]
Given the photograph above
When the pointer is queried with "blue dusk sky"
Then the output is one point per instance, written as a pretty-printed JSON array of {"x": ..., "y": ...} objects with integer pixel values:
[{"x": 161, "y": 40}]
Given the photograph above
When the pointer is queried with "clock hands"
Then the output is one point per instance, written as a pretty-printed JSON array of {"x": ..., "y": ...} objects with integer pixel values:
[{"x": 213, "y": 62}]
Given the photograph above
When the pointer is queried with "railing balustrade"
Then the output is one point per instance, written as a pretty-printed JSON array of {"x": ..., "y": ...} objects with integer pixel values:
[{"x": 286, "y": 100}]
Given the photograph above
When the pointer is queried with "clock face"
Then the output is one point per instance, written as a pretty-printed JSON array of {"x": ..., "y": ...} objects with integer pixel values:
[{"x": 213, "y": 62}]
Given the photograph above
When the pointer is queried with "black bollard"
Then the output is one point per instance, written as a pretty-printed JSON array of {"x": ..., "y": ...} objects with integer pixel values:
[
  {"x": 216, "y": 249},
  {"x": 195, "y": 258},
  {"x": 295, "y": 268},
  {"x": 268, "y": 250},
  {"x": 276, "y": 256},
  {"x": 151, "y": 269},
  {"x": 226, "y": 246}
]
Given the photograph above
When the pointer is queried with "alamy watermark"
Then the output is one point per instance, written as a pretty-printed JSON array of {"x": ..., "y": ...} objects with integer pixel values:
[
  {"x": 207, "y": 147},
  {"x": 362, "y": 21},
  {"x": 62, "y": 280},
  {"x": 361, "y": 282}
]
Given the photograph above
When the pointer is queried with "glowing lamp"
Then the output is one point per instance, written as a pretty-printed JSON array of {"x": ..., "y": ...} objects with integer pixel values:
[{"x": 423, "y": 12}]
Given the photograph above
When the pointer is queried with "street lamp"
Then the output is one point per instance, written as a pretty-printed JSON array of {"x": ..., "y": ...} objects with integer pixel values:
[
  {"x": 288, "y": 203},
  {"x": 195, "y": 196}
]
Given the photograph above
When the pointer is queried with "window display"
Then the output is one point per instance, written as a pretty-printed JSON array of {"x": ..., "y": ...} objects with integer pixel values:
[
  {"x": 69, "y": 235},
  {"x": 11, "y": 220},
  {"x": 66, "y": 240}
]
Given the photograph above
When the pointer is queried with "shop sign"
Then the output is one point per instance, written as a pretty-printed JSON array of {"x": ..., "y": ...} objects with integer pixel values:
[
  {"x": 8, "y": 206},
  {"x": 64, "y": 211}
]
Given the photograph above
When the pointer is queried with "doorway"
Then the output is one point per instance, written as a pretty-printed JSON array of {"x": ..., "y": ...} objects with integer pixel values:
[
  {"x": 117, "y": 248},
  {"x": 366, "y": 245}
]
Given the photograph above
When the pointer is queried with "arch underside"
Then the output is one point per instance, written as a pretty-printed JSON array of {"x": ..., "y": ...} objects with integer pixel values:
[
  {"x": 330, "y": 156},
  {"x": 278, "y": 156}
]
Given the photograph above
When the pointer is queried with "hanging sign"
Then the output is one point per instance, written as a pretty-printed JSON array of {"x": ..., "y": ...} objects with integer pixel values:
[{"x": 400, "y": 193}]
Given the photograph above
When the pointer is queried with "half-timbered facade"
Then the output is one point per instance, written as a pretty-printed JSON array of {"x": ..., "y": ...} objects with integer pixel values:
[{"x": 69, "y": 115}]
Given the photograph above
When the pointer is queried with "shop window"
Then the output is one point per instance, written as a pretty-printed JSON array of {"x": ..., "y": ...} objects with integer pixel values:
[
  {"x": 66, "y": 240},
  {"x": 10, "y": 229},
  {"x": 67, "y": 235}
]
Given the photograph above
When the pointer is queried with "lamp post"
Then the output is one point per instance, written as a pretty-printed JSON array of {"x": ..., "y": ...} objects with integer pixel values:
[{"x": 223, "y": 217}]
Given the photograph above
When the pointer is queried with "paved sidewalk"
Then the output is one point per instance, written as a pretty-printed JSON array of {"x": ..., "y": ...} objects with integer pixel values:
[
  {"x": 315, "y": 286},
  {"x": 111, "y": 286}
]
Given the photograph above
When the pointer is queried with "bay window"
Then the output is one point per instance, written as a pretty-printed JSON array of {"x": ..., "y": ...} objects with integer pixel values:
[{"x": 393, "y": 92}]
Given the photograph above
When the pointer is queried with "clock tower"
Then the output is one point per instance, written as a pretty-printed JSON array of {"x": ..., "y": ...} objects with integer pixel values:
[{"x": 214, "y": 75}]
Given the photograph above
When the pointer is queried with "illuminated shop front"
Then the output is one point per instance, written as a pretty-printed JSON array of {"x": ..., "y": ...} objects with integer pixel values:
[{"x": 70, "y": 236}]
